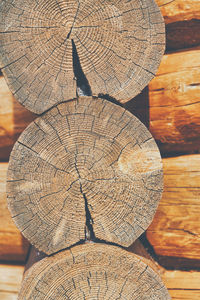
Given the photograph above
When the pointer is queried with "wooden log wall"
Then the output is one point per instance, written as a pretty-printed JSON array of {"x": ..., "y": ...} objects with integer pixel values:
[
  {"x": 174, "y": 106},
  {"x": 13, "y": 246},
  {"x": 182, "y": 19},
  {"x": 181, "y": 285},
  {"x": 175, "y": 230},
  {"x": 174, "y": 121},
  {"x": 14, "y": 118}
]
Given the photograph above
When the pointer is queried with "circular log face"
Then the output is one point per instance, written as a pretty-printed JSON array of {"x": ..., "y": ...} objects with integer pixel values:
[
  {"x": 93, "y": 271},
  {"x": 48, "y": 48},
  {"x": 84, "y": 164}
]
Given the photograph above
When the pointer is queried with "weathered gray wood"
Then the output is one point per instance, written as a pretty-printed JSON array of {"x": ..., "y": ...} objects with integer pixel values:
[
  {"x": 93, "y": 271},
  {"x": 52, "y": 49},
  {"x": 87, "y": 164}
]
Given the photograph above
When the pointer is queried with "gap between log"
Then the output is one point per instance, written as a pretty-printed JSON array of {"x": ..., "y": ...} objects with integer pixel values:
[{"x": 82, "y": 85}]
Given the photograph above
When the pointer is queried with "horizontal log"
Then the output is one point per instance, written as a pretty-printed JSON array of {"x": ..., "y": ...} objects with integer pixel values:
[
  {"x": 188, "y": 280},
  {"x": 10, "y": 281},
  {"x": 13, "y": 119},
  {"x": 13, "y": 245},
  {"x": 174, "y": 102},
  {"x": 179, "y": 10},
  {"x": 182, "y": 19},
  {"x": 183, "y": 34},
  {"x": 175, "y": 229},
  {"x": 182, "y": 285}
]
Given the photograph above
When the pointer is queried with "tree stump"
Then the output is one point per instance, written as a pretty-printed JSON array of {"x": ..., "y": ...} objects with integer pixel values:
[
  {"x": 49, "y": 50},
  {"x": 92, "y": 271},
  {"x": 87, "y": 168}
]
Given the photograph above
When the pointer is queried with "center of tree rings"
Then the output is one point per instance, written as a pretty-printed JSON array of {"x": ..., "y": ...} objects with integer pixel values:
[{"x": 86, "y": 165}]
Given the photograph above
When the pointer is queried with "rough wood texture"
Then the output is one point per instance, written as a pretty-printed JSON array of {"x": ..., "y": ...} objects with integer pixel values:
[
  {"x": 179, "y": 10},
  {"x": 137, "y": 248},
  {"x": 175, "y": 229},
  {"x": 183, "y": 34},
  {"x": 49, "y": 50},
  {"x": 10, "y": 281},
  {"x": 174, "y": 107},
  {"x": 12, "y": 244},
  {"x": 13, "y": 119},
  {"x": 174, "y": 102},
  {"x": 182, "y": 285},
  {"x": 92, "y": 271},
  {"x": 85, "y": 164},
  {"x": 182, "y": 18}
]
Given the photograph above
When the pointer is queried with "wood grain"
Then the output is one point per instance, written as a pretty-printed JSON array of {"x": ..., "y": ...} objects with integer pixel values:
[
  {"x": 179, "y": 10},
  {"x": 14, "y": 118},
  {"x": 182, "y": 285},
  {"x": 174, "y": 102},
  {"x": 175, "y": 229},
  {"x": 98, "y": 164},
  {"x": 10, "y": 281},
  {"x": 109, "y": 48},
  {"x": 13, "y": 246},
  {"x": 182, "y": 19},
  {"x": 92, "y": 271},
  {"x": 183, "y": 34},
  {"x": 174, "y": 107}
]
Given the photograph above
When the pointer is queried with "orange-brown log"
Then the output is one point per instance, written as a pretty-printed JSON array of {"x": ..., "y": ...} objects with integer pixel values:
[
  {"x": 175, "y": 229},
  {"x": 175, "y": 103},
  {"x": 179, "y": 10},
  {"x": 182, "y": 285},
  {"x": 10, "y": 281},
  {"x": 13, "y": 245},
  {"x": 182, "y": 19},
  {"x": 183, "y": 34},
  {"x": 13, "y": 119}
]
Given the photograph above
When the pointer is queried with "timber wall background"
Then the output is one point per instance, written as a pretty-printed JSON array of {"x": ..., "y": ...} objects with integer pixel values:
[{"x": 173, "y": 117}]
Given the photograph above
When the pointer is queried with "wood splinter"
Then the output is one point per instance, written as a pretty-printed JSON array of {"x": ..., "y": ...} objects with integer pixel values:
[{"x": 84, "y": 167}]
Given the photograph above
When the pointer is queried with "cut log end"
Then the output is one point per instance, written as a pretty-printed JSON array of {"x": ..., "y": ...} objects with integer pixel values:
[
  {"x": 92, "y": 271},
  {"x": 52, "y": 51},
  {"x": 85, "y": 168}
]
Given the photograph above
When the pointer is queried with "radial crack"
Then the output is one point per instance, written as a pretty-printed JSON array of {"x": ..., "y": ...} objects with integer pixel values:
[
  {"x": 83, "y": 87},
  {"x": 89, "y": 232},
  {"x": 68, "y": 36}
]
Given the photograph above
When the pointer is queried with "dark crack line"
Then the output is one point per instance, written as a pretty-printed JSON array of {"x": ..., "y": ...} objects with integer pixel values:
[
  {"x": 68, "y": 36},
  {"x": 184, "y": 230},
  {"x": 83, "y": 87},
  {"x": 89, "y": 232}
]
